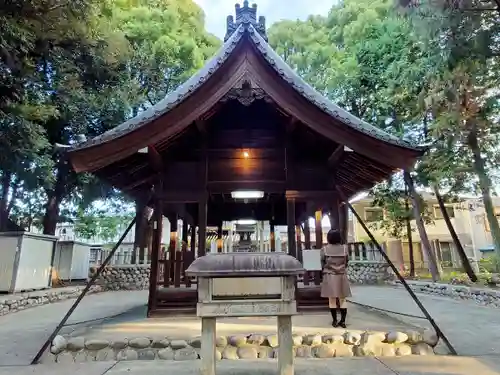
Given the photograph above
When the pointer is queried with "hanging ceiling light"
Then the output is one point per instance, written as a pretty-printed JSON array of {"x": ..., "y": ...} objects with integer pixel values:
[{"x": 247, "y": 194}]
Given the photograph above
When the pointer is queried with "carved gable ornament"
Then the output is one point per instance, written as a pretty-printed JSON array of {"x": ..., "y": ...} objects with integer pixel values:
[{"x": 246, "y": 92}]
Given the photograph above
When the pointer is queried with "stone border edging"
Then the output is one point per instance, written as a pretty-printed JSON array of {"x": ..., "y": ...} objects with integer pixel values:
[
  {"x": 484, "y": 297},
  {"x": 254, "y": 346},
  {"x": 11, "y": 303}
]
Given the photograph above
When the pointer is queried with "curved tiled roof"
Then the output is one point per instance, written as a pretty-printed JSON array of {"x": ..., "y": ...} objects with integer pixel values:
[{"x": 281, "y": 67}]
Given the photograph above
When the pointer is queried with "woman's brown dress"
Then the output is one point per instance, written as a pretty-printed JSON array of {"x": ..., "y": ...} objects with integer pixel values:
[{"x": 335, "y": 283}]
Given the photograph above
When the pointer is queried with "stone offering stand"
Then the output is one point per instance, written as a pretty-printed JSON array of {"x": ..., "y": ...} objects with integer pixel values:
[{"x": 252, "y": 346}]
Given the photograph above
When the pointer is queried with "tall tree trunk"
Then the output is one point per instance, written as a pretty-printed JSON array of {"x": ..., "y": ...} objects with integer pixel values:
[
  {"x": 52, "y": 208},
  {"x": 143, "y": 214},
  {"x": 409, "y": 233},
  {"x": 458, "y": 245},
  {"x": 15, "y": 190},
  {"x": 485, "y": 187},
  {"x": 424, "y": 240},
  {"x": 4, "y": 199}
]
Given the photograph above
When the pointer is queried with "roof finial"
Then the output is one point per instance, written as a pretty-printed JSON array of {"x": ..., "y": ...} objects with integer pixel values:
[{"x": 246, "y": 15}]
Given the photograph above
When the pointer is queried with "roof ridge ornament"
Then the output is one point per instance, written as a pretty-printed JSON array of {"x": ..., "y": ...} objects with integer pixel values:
[{"x": 246, "y": 16}]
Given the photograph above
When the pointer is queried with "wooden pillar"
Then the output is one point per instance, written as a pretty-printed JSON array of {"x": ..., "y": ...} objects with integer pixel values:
[
  {"x": 272, "y": 236},
  {"x": 290, "y": 222},
  {"x": 193, "y": 239},
  {"x": 230, "y": 238},
  {"x": 219, "y": 237},
  {"x": 298, "y": 233},
  {"x": 333, "y": 215},
  {"x": 318, "y": 216},
  {"x": 169, "y": 269},
  {"x": 343, "y": 222},
  {"x": 184, "y": 234},
  {"x": 307, "y": 235},
  {"x": 202, "y": 226},
  {"x": 155, "y": 253}
]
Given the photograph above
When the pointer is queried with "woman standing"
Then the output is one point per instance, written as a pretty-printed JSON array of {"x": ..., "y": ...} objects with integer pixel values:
[{"x": 335, "y": 285}]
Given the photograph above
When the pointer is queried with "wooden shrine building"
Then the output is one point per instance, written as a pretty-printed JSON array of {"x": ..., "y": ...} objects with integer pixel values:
[{"x": 245, "y": 121}]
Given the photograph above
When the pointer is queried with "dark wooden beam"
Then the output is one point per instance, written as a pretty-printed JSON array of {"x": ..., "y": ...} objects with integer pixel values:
[
  {"x": 336, "y": 155},
  {"x": 318, "y": 217},
  {"x": 201, "y": 126},
  {"x": 273, "y": 236},
  {"x": 229, "y": 186},
  {"x": 314, "y": 195},
  {"x": 155, "y": 159},
  {"x": 155, "y": 252},
  {"x": 307, "y": 235},
  {"x": 176, "y": 196},
  {"x": 290, "y": 218},
  {"x": 202, "y": 225}
]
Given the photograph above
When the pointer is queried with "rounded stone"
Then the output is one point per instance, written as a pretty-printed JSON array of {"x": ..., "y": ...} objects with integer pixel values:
[
  {"x": 265, "y": 352},
  {"x": 218, "y": 354},
  {"x": 75, "y": 344},
  {"x": 323, "y": 351},
  {"x": 422, "y": 349},
  {"x": 352, "y": 338},
  {"x": 430, "y": 337},
  {"x": 65, "y": 358},
  {"x": 256, "y": 339},
  {"x": 195, "y": 343},
  {"x": 230, "y": 352},
  {"x": 127, "y": 355},
  {"x": 96, "y": 344},
  {"x": 56, "y": 350},
  {"x": 272, "y": 341},
  {"x": 119, "y": 344},
  {"x": 395, "y": 337},
  {"x": 312, "y": 340},
  {"x": 368, "y": 350},
  {"x": 105, "y": 354},
  {"x": 297, "y": 339},
  {"x": 185, "y": 354},
  {"x": 247, "y": 352},
  {"x": 402, "y": 350},
  {"x": 237, "y": 340},
  {"x": 160, "y": 343},
  {"x": 166, "y": 354},
  {"x": 388, "y": 350},
  {"x": 146, "y": 354},
  {"x": 178, "y": 344},
  {"x": 303, "y": 351},
  {"x": 330, "y": 339},
  {"x": 140, "y": 343},
  {"x": 414, "y": 337},
  {"x": 342, "y": 350},
  {"x": 59, "y": 342},
  {"x": 221, "y": 342}
]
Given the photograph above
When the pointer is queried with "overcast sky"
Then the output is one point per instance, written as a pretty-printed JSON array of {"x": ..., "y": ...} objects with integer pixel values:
[{"x": 216, "y": 11}]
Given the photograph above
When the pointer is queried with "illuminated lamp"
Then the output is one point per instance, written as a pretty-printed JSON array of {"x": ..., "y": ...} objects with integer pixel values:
[
  {"x": 247, "y": 194},
  {"x": 246, "y": 222}
]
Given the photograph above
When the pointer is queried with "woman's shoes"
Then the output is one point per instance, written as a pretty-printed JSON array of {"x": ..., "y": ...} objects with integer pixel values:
[
  {"x": 334, "y": 317},
  {"x": 343, "y": 316},
  {"x": 343, "y": 325}
]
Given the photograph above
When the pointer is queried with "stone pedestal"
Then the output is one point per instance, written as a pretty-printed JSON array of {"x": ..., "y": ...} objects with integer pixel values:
[{"x": 246, "y": 284}]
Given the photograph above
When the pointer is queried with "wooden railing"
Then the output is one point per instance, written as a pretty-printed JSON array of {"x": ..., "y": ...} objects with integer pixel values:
[
  {"x": 172, "y": 267},
  {"x": 172, "y": 264}
]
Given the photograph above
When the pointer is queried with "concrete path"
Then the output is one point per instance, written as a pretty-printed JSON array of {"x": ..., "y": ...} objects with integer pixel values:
[
  {"x": 345, "y": 366},
  {"x": 472, "y": 329},
  {"x": 24, "y": 332}
]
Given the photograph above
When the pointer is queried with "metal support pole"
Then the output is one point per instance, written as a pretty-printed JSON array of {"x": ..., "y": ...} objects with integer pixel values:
[
  {"x": 82, "y": 294},
  {"x": 401, "y": 279}
]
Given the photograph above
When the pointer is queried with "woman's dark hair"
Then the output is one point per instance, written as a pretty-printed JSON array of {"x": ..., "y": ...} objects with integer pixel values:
[{"x": 333, "y": 237}]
